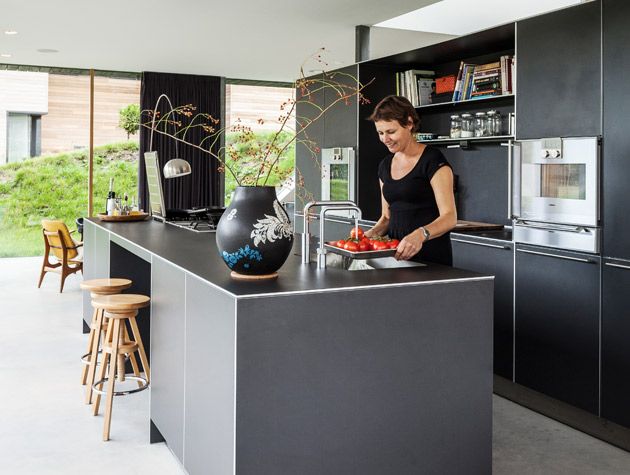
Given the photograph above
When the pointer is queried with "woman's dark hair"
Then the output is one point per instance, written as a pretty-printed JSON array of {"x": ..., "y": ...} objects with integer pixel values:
[{"x": 396, "y": 108}]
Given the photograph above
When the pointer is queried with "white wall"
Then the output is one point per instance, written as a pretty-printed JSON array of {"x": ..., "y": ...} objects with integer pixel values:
[
  {"x": 20, "y": 92},
  {"x": 388, "y": 41}
]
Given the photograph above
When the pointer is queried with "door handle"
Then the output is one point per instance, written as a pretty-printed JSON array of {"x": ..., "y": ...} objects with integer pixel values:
[
  {"x": 620, "y": 266},
  {"x": 567, "y": 258},
  {"x": 483, "y": 244}
]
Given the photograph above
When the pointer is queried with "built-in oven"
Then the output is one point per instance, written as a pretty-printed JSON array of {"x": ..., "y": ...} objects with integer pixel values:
[
  {"x": 338, "y": 175},
  {"x": 555, "y": 186}
]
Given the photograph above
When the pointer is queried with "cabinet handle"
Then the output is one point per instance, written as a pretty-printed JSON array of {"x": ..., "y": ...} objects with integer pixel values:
[
  {"x": 617, "y": 265},
  {"x": 481, "y": 244},
  {"x": 509, "y": 180},
  {"x": 578, "y": 259},
  {"x": 453, "y": 146}
]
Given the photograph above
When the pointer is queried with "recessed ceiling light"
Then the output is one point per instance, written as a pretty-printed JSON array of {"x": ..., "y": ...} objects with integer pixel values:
[
  {"x": 10, "y": 32},
  {"x": 5, "y": 55},
  {"x": 47, "y": 50}
]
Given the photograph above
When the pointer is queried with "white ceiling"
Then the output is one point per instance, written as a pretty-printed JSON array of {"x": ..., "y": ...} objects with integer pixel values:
[
  {"x": 246, "y": 39},
  {"x": 460, "y": 17}
]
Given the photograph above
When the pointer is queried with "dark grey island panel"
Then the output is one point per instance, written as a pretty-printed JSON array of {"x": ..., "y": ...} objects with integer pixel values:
[{"x": 389, "y": 380}]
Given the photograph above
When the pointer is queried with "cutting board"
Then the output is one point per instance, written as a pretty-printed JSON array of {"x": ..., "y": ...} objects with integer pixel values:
[{"x": 476, "y": 226}]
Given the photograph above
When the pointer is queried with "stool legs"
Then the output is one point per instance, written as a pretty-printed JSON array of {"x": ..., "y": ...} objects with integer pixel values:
[
  {"x": 112, "y": 376},
  {"x": 95, "y": 338},
  {"x": 143, "y": 355},
  {"x": 84, "y": 372},
  {"x": 117, "y": 339},
  {"x": 103, "y": 367}
]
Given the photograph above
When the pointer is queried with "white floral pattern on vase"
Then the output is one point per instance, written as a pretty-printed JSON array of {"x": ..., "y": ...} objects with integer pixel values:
[
  {"x": 271, "y": 228},
  {"x": 232, "y": 214}
]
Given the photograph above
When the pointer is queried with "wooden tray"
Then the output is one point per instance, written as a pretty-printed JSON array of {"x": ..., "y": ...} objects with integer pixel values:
[
  {"x": 361, "y": 254},
  {"x": 125, "y": 218}
]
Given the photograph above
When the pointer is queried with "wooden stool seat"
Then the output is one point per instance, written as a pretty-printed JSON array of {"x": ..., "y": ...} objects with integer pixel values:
[
  {"x": 120, "y": 303},
  {"x": 120, "y": 310},
  {"x": 105, "y": 286}
]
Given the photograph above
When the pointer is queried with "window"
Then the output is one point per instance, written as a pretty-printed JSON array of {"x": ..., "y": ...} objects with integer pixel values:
[{"x": 23, "y": 136}]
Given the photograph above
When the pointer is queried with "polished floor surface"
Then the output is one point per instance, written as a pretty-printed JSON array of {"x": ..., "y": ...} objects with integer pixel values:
[{"x": 45, "y": 428}]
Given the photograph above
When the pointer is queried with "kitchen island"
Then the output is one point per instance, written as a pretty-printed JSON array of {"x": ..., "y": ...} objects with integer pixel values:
[{"x": 321, "y": 371}]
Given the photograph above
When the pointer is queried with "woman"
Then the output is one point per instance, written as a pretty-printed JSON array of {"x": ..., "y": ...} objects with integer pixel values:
[{"x": 418, "y": 205}]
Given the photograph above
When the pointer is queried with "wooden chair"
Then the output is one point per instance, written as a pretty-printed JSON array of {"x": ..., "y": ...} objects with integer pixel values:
[{"x": 57, "y": 240}]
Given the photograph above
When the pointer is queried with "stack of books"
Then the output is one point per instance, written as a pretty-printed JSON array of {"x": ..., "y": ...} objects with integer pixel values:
[
  {"x": 477, "y": 81},
  {"x": 417, "y": 85}
]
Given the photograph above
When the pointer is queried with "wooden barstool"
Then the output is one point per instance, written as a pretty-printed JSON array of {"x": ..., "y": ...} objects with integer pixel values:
[
  {"x": 97, "y": 287},
  {"x": 119, "y": 309}
]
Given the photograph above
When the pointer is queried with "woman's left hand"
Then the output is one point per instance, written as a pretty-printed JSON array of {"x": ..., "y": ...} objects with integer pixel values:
[{"x": 410, "y": 245}]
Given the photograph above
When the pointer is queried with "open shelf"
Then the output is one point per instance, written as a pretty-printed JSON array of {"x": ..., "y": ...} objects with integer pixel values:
[
  {"x": 467, "y": 101},
  {"x": 494, "y": 138}
]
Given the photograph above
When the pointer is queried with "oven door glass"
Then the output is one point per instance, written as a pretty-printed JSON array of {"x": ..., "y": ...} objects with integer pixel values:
[
  {"x": 560, "y": 190},
  {"x": 563, "y": 181},
  {"x": 339, "y": 181}
]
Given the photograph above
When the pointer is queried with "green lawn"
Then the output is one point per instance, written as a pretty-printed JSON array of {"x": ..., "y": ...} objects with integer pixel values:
[{"x": 55, "y": 187}]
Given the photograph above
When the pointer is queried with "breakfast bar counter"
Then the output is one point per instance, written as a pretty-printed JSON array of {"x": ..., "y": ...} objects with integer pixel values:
[{"x": 318, "y": 371}]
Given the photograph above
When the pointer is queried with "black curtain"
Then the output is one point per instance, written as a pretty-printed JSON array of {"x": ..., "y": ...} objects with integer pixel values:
[{"x": 204, "y": 186}]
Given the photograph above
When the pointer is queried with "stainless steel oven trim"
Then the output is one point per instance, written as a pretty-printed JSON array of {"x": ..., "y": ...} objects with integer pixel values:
[
  {"x": 576, "y": 150},
  {"x": 350, "y": 161}
]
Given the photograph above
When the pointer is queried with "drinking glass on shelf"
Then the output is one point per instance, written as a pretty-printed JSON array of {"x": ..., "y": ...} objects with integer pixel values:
[
  {"x": 468, "y": 126},
  {"x": 494, "y": 123},
  {"x": 456, "y": 126},
  {"x": 481, "y": 128}
]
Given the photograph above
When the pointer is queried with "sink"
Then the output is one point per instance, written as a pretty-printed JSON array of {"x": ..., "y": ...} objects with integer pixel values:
[{"x": 336, "y": 261}]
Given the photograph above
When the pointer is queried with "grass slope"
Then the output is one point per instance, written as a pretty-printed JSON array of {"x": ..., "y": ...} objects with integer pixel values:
[{"x": 55, "y": 187}]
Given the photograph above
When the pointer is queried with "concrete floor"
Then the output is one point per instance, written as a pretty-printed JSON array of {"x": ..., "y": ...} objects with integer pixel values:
[{"x": 45, "y": 428}]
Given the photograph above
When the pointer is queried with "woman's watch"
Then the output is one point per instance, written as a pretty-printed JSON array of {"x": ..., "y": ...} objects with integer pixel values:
[{"x": 425, "y": 233}]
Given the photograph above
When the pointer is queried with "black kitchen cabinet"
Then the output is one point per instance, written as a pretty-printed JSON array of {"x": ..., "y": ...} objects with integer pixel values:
[
  {"x": 615, "y": 391},
  {"x": 497, "y": 258},
  {"x": 616, "y": 150},
  {"x": 559, "y": 73},
  {"x": 557, "y": 324}
]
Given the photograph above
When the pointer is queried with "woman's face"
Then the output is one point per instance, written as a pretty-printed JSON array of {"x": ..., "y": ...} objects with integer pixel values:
[{"x": 393, "y": 135}]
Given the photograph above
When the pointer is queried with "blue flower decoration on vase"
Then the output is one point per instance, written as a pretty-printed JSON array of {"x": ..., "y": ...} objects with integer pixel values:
[{"x": 232, "y": 258}]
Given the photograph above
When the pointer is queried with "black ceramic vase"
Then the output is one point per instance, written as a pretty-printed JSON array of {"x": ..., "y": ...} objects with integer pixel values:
[{"x": 254, "y": 234}]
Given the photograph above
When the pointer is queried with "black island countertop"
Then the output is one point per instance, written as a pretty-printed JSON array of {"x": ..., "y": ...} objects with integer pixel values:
[{"x": 197, "y": 254}]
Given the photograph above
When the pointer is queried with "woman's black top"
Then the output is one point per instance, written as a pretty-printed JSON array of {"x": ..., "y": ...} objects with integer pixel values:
[{"x": 412, "y": 203}]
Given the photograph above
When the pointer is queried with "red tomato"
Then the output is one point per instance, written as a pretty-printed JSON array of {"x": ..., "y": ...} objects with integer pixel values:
[
  {"x": 393, "y": 244},
  {"x": 356, "y": 233},
  {"x": 351, "y": 246},
  {"x": 380, "y": 246},
  {"x": 340, "y": 243},
  {"x": 364, "y": 246}
]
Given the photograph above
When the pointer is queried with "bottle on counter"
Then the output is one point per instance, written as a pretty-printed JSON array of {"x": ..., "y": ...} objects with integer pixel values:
[{"x": 111, "y": 198}]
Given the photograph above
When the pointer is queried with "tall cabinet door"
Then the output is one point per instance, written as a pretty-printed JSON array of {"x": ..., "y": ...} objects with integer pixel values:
[
  {"x": 616, "y": 150},
  {"x": 557, "y": 324},
  {"x": 496, "y": 258},
  {"x": 558, "y": 82},
  {"x": 616, "y": 341}
]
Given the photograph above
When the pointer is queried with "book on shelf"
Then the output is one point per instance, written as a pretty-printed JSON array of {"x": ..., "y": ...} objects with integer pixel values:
[
  {"x": 475, "y": 81},
  {"x": 416, "y": 85}
]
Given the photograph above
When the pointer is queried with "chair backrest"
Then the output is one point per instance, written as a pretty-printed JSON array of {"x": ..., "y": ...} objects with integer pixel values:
[{"x": 56, "y": 232}]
